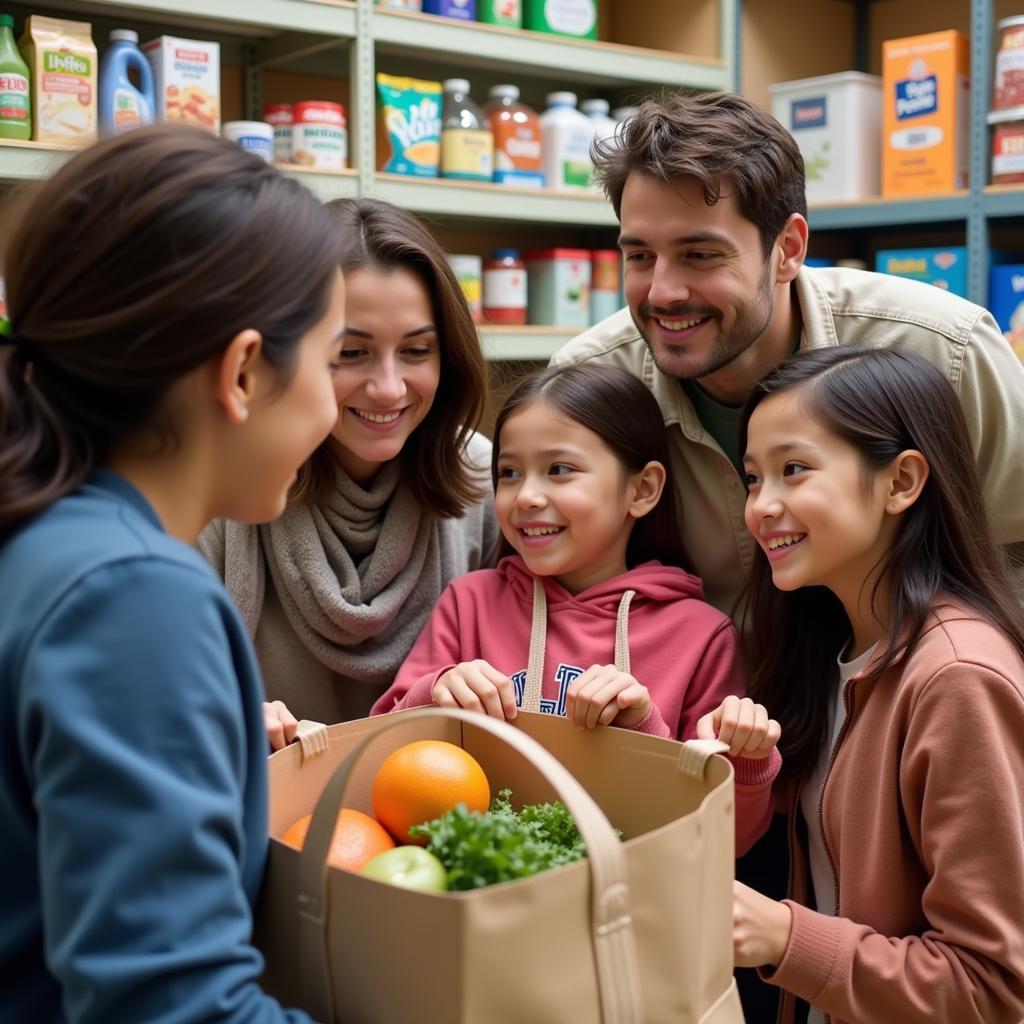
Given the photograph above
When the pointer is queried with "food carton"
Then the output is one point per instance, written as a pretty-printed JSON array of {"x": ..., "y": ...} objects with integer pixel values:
[{"x": 187, "y": 74}]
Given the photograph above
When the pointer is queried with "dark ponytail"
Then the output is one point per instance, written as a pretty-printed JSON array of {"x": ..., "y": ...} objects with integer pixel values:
[{"x": 136, "y": 263}]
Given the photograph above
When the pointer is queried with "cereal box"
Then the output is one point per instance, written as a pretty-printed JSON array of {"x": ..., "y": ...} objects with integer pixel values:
[
  {"x": 944, "y": 268},
  {"x": 186, "y": 73},
  {"x": 1006, "y": 300},
  {"x": 62, "y": 57},
  {"x": 925, "y": 114},
  {"x": 409, "y": 129}
]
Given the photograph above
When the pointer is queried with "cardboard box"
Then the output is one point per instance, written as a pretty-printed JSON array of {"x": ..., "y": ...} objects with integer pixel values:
[
  {"x": 925, "y": 114},
  {"x": 186, "y": 74},
  {"x": 944, "y": 268},
  {"x": 837, "y": 123},
  {"x": 1006, "y": 301}
]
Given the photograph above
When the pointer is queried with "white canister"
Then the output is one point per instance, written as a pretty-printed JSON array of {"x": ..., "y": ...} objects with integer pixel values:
[
  {"x": 255, "y": 136},
  {"x": 319, "y": 135},
  {"x": 280, "y": 116}
]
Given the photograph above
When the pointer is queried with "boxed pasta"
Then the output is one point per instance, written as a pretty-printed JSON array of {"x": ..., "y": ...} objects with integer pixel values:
[
  {"x": 186, "y": 75},
  {"x": 62, "y": 58}
]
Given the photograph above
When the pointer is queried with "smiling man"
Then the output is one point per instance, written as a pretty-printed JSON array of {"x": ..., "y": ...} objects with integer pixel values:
[{"x": 709, "y": 191}]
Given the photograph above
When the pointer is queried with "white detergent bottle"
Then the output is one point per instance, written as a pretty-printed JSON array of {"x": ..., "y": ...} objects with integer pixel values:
[
  {"x": 604, "y": 126},
  {"x": 566, "y": 134}
]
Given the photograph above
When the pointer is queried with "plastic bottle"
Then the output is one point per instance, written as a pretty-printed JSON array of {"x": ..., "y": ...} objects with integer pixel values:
[
  {"x": 467, "y": 145},
  {"x": 517, "y": 139},
  {"x": 15, "y": 96},
  {"x": 566, "y": 136},
  {"x": 122, "y": 104},
  {"x": 505, "y": 288},
  {"x": 597, "y": 111}
]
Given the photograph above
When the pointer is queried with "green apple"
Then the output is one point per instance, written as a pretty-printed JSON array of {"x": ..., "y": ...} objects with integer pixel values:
[{"x": 410, "y": 866}]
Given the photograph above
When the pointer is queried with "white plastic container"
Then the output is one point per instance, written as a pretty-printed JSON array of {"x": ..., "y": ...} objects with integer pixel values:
[
  {"x": 255, "y": 136},
  {"x": 837, "y": 123},
  {"x": 566, "y": 134},
  {"x": 597, "y": 111}
]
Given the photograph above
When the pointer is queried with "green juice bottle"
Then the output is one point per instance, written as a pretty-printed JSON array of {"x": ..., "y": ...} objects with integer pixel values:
[{"x": 15, "y": 98}]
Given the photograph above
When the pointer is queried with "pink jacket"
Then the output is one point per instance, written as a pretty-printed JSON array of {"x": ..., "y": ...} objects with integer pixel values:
[
  {"x": 923, "y": 816},
  {"x": 684, "y": 651}
]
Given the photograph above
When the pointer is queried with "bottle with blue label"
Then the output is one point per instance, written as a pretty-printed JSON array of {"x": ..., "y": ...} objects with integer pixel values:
[{"x": 123, "y": 104}]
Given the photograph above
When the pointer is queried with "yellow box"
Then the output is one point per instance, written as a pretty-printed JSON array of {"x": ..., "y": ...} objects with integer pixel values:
[{"x": 925, "y": 114}]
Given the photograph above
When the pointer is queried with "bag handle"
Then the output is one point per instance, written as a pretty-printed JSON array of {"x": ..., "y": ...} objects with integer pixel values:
[
  {"x": 538, "y": 641},
  {"x": 614, "y": 947}
]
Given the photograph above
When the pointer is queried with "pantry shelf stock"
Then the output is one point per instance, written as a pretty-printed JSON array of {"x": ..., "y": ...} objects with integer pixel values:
[
  {"x": 524, "y": 343},
  {"x": 879, "y": 212},
  {"x": 575, "y": 59},
  {"x": 485, "y": 202}
]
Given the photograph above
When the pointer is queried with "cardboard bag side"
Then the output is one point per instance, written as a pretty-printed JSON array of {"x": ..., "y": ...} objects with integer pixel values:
[{"x": 520, "y": 951}]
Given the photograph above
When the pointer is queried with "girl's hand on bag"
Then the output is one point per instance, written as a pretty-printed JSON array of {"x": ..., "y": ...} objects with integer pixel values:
[
  {"x": 280, "y": 724},
  {"x": 744, "y": 725},
  {"x": 605, "y": 696},
  {"x": 476, "y": 686},
  {"x": 760, "y": 928}
]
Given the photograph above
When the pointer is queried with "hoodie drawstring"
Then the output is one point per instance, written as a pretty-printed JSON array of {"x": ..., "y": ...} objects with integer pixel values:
[{"x": 538, "y": 637}]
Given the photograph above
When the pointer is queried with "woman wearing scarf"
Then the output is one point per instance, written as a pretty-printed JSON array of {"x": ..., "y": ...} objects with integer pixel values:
[{"x": 392, "y": 507}]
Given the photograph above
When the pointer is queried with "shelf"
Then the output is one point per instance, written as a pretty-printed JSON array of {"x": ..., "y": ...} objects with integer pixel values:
[
  {"x": 321, "y": 17},
  {"x": 1003, "y": 201},
  {"x": 482, "y": 201},
  {"x": 525, "y": 343},
  {"x": 602, "y": 63},
  {"x": 30, "y": 161},
  {"x": 879, "y": 212}
]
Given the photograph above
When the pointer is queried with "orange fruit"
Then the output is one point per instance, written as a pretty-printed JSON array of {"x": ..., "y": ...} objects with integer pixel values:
[
  {"x": 357, "y": 839},
  {"x": 423, "y": 780}
]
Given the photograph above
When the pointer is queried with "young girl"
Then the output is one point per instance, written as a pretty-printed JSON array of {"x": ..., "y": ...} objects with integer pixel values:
[
  {"x": 889, "y": 645},
  {"x": 394, "y": 504},
  {"x": 593, "y": 617},
  {"x": 176, "y": 306}
]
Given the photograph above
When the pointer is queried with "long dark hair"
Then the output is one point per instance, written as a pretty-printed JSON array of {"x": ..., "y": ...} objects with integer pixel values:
[
  {"x": 881, "y": 402},
  {"x": 386, "y": 238},
  {"x": 619, "y": 409},
  {"x": 133, "y": 265}
]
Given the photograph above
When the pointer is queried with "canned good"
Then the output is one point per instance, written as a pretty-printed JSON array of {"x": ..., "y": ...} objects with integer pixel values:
[
  {"x": 255, "y": 136},
  {"x": 319, "y": 135},
  {"x": 1009, "y": 82},
  {"x": 605, "y": 281},
  {"x": 279, "y": 115},
  {"x": 1007, "y": 146},
  {"x": 468, "y": 270}
]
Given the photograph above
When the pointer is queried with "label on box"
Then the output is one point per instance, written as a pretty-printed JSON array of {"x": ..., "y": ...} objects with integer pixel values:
[
  {"x": 917, "y": 97},
  {"x": 573, "y": 17},
  {"x": 810, "y": 113}
]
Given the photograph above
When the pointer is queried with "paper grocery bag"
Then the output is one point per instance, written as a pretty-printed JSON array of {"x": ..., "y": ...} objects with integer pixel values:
[{"x": 639, "y": 932}]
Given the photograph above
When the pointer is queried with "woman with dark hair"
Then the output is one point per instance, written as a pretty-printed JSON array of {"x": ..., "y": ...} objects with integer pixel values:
[
  {"x": 175, "y": 310},
  {"x": 392, "y": 507},
  {"x": 889, "y": 645},
  {"x": 584, "y": 501}
]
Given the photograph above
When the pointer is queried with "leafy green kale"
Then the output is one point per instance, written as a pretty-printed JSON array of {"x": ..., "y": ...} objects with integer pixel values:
[{"x": 502, "y": 844}]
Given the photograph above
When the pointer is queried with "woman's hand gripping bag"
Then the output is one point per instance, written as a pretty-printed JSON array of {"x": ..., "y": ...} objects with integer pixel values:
[{"x": 639, "y": 932}]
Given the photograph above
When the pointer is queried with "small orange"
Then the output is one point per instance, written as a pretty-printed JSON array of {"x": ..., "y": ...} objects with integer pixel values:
[
  {"x": 357, "y": 839},
  {"x": 421, "y": 781}
]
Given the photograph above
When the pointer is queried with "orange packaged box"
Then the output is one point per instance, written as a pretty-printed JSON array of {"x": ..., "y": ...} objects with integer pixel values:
[
  {"x": 925, "y": 114},
  {"x": 186, "y": 76}
]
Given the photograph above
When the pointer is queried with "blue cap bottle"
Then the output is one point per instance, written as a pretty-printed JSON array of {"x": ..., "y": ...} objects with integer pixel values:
[{"x": 124, "y": 105}]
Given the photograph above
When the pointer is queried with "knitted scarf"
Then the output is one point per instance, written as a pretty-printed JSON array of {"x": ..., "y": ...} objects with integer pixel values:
[{"x": 357, "y": 577}]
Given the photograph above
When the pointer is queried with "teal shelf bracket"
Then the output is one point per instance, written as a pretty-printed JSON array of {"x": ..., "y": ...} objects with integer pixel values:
[{"x": 977, "y": 221}]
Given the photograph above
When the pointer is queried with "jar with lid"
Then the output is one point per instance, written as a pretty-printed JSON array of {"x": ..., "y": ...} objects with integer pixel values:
[
  {"x": 517, "y": 145},
  {"x": 505, "y": 288},
  {"x": 467, "y": 145}
]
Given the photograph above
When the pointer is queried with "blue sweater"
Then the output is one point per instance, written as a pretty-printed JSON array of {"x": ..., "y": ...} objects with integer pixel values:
[{"x": 133, "y": 785}]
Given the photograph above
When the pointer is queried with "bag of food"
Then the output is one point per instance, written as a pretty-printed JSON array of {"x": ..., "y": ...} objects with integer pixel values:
[
  {"x": 409, "y": 126},
  {"x": 62, "y": 57},
  {"x": 640, "y": 931}
]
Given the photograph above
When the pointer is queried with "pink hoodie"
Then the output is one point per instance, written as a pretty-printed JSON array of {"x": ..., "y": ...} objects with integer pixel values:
[{"x": 682, "y": 649}]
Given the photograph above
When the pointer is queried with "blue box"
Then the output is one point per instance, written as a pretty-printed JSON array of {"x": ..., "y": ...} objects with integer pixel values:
[
  {"x": 1006, "y": 296},
  {"x": 818, "y": 261},
  {"x": 464, "y": 10},
  {"x": 945, "y": 268}
]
